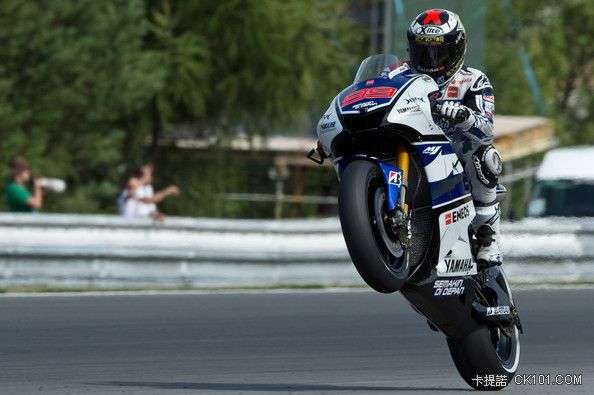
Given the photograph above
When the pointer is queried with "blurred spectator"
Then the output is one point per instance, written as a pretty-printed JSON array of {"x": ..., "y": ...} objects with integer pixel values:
[
  {"x": 18, "y": 198},
  {"x": 146, "y": 195},
  {"x": 139, "y": 198},
  {"x": 127, "y": 201}
]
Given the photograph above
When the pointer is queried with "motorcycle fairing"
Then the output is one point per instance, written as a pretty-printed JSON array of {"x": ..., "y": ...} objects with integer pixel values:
[
  {"x": 392, "y": 177},
  {"x": 412, "y": 108},
  {"x": 370, "y": 95},
  {"x": 445, "y": 173},
  {"x": 455, "y": 255},
  {"x": 329, "y": 126},
  {"x": 449, "y": 188},
  {"x": 450, "y": 196}
]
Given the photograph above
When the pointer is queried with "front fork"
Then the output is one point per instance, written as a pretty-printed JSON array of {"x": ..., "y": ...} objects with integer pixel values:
[
  {"x": 401, "y": 220},
  {"x": 403, "y": 163}
]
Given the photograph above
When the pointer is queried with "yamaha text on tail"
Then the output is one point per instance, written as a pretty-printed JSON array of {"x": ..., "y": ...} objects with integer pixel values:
[{"x": 405, "y": 210}]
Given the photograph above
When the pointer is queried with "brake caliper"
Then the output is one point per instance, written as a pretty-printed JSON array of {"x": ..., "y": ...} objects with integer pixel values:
[{"x": 401, "y": 226}]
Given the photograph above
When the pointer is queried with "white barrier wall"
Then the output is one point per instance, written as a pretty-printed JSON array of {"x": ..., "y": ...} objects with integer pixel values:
[{"x": 109, "y": 251}]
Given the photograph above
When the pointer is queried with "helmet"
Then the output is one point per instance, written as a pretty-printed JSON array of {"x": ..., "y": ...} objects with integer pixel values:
[{"x": 437, "y": 44}]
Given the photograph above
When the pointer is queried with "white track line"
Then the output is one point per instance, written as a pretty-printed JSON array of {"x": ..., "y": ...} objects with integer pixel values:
[
  {"x": 187, "y": 292},
  {"x": 522, "y": 288}
]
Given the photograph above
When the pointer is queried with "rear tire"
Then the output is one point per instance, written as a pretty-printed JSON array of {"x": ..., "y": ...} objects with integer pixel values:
[
  {"x": 378, "y": 256},
  {"x": 475, "y": 355},
  {"x": 488, "y": 351}
]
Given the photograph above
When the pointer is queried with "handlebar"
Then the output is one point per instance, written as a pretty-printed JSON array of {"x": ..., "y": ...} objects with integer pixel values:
[{"x": 321, "y": 154}]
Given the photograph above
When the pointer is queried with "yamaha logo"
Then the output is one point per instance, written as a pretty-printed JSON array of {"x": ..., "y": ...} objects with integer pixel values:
[{"x": 458, "y": 265}]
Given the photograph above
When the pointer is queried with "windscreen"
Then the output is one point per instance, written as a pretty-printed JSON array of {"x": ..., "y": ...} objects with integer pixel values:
[{"x": 373, "y": 66}]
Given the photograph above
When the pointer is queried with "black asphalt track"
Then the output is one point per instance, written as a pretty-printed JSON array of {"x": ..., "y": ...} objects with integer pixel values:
[{"x": 268, "y": 343}]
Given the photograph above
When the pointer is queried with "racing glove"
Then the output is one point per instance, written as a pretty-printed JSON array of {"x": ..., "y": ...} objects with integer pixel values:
[{"x": 461, "y": 115}]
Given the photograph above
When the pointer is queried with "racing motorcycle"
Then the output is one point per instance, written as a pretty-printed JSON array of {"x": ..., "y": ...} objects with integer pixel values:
[{"x": 405, "y": 210}]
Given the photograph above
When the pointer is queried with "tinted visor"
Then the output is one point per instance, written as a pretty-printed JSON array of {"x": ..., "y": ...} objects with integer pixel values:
[{"x": 427, "y": 58}]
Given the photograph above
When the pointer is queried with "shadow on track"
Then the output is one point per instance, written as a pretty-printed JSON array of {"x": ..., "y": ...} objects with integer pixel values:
[{"x": 269, "y": 387}]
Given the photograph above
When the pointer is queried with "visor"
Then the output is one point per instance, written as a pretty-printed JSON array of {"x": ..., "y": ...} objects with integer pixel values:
[{"x": 430, "y": 59}]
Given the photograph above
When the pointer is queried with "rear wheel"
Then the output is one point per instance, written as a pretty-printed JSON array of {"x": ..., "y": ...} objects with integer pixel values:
[
  {"x": 373, "y": 246},
  {"x": 487, "y": 359}
]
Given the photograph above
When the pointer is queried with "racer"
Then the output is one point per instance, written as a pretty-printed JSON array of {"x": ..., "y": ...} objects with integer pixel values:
[{"x": 437, "y": 46}]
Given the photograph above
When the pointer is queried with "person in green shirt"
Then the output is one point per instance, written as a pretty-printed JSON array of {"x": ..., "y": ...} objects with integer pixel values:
[{"x": 18, "y": 198}]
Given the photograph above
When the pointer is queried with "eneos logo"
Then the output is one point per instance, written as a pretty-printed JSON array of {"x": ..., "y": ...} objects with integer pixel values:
[
  {"x": 380, "y": 92},
  {"x": 457, "y": 215}
]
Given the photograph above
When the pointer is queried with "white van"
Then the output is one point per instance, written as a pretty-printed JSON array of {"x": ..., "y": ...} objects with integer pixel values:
[{"x": 564, "y": 184}]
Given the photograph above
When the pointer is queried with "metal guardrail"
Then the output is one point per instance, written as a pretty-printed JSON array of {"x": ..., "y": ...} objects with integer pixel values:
[
  {"x": 110, "y": 251},
  {"x": 172, "y": 223}
]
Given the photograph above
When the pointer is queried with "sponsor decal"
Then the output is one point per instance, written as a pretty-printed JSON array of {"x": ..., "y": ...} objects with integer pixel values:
[
  {"x": 369, "y": 82},
  {"x": 380, "y": 92},
  {"x": 458, "y": 265},
  {"x": 456, "y": 215},
  {"x": 498, "y": 310},
  {"x": 428, "y": 39},
  {"x": 434, "y": 17},
  {"x": 365, "y": 104},
  {"x": 481, "y": 83},
  {"x": 462, "y": 81},
  {"x": 414, "y": 100},
  {"x": 489, "y": 98},
  {"x": 327, "y": 125},
  {"x": 448, "y": 287},
  {"x": 395, "y": 178},
  {"x": 429, "y": 30},
  {"x": 489, "y": 109},
  {"x": 452, "y": 91},
  {"x": 408, "y": 109},
  {"x": 398, "y": 70},
  {"x": 432, "y": 150},
  {"x": 327, "y": 116},
  {"x": 431, "y": 70}
]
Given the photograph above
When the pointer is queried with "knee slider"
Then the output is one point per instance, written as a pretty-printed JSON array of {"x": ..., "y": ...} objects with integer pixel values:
[{"x": 488, "y": 165}]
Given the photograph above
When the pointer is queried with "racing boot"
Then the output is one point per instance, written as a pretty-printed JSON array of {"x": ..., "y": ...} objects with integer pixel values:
[{"x": 486, "y": 225}]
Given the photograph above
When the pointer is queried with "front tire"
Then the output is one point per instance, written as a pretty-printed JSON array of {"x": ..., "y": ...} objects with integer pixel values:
[{"x": 377, "y": 254}]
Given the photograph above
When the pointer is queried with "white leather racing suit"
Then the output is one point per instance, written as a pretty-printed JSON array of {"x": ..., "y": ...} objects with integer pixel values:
[{"x": 472, "y": 140}]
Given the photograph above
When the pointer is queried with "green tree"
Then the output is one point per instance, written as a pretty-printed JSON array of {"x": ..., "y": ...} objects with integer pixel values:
[
  {"x": 269, "y": 61},
  {"x": 72, "y": 74},
  {"x": 558, "y": 39},
  {"x": 257, "y": 66},
  {"x": 85, "y": 85}
]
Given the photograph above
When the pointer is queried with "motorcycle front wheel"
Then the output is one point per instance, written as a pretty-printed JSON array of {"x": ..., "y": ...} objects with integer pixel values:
[{"x": 376, "y": 253}]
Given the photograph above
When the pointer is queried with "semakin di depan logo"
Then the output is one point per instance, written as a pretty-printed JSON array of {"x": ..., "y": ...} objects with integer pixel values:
[{"x": 455, "y": 216}]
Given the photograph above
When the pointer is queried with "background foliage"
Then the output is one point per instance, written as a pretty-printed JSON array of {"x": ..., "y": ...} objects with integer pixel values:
[
  {"x": 90, "y": 89},
  {"x": 558, "y": 39},
  {"x": 84, "y": 85}
]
